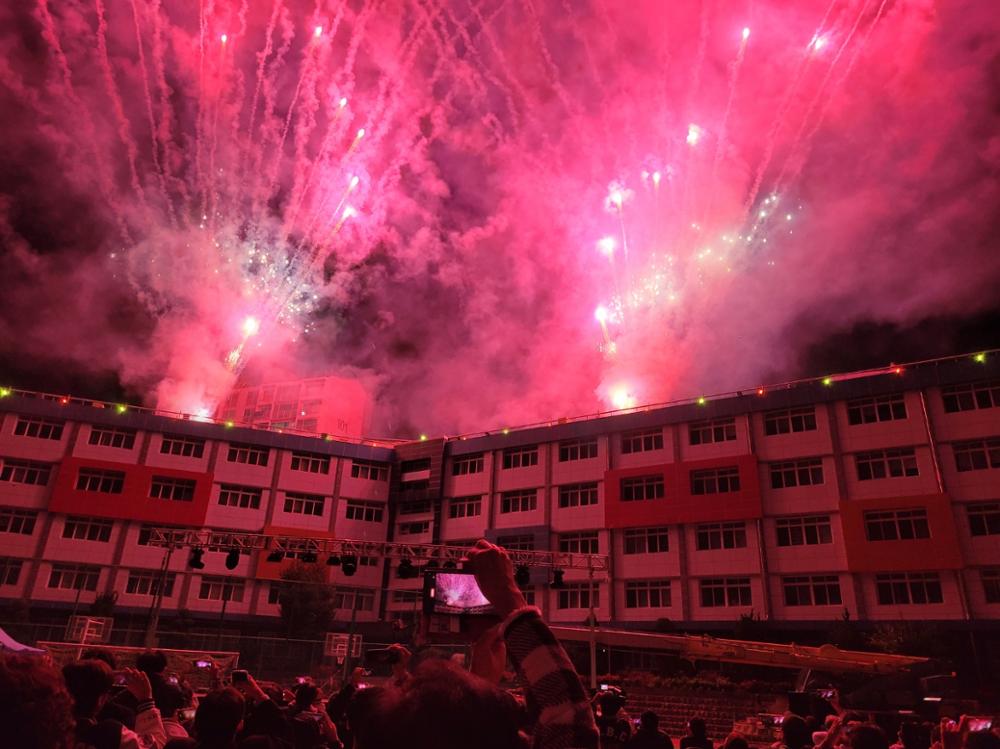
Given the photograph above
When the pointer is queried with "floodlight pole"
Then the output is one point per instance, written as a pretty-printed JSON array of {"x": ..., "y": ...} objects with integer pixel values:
[
  {"x": 157, "y": 605},
  {"x": 593, "y": 631}
]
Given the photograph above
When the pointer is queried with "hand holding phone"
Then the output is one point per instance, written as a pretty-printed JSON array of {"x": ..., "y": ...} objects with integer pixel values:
[{"x": 240, "y": 676}]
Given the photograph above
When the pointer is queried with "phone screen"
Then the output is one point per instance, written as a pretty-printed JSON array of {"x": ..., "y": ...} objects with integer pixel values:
[
  {"x": 203, "y": 664},
  {"x": 456, "y": 593},
  {"x": 239, "y": 676},
  {"x": 980, "y": 724}
]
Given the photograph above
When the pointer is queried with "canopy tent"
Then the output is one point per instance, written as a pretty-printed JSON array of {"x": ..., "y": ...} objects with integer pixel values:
[{"x": 9, "y": 644}]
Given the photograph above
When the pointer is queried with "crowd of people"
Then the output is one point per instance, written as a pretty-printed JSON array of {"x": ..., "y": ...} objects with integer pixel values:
[{"x": 429, "y": 702}]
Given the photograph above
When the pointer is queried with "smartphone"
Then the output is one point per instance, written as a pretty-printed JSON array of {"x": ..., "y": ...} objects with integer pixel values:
[
  {"x": 120, "y": 680},
  {"x": 455, "y": 592},
  {"x": 239, "y": 676},
  {"x": 186, "y": 713},
  {"x": 172, "y": 679},
  {"x": 980, "y": 723},
  {"x": 203, "y": 664},
  {"x": 604, "y": 687},
  {"x": 827, "y": 694}
]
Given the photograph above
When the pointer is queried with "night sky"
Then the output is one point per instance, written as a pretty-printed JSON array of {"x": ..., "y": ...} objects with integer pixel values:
[{"x": 416, "y": 194}]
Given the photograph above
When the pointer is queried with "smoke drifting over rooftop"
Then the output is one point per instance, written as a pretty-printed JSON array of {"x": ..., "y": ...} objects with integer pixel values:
[{"x": 491, "y": 212}]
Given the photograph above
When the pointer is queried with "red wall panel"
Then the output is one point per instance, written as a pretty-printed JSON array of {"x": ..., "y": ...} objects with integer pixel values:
[
  {"x": 134, "y": 503},
  {"x": 679, "y": 505},
  {"x": 939, "y": 552}
]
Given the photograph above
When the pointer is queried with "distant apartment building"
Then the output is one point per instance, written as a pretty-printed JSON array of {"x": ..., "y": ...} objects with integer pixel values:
[
  {"x": 335, "y": 406},
  {"x": 874, "y": 495}
]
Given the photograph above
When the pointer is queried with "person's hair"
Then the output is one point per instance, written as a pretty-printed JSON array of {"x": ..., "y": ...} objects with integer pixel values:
[
  {"x": 36, "y": 711},
  {"x": 306, "y": 694},
  {"x": 100, "y": 654},
  {"x": 736, "y": 741},
  {"x": 151, "y": 662},
  {"x": 218, "y": 717},
  {"x": 168, "y": 698},
  {"x": 982, "y": 740},
  {"x": 649, "y": 720},
  {"x": 868, "y": 736},
  {"x": 697, "y": 727},
  {"x": 441, "y": 707},
  {"x": 88, "y": 681},
  {"x": 915, "y": 735},
  {"x": 795, "y": 734}
]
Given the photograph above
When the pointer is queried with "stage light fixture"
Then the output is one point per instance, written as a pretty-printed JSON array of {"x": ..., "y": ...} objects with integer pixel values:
[
  {"x": 522, "y": 576},
  {"x": 557, "y": 579},
  {"x": 232, "y": 558},
  {"x": 349, "y": 564},
  {"x": 309, "y": 557},
  {"x": 276, "y": 556},
  {"x": 333, "y": 560},
  {"x": 406, "y": 570},
  {"x": 194, "y": 561}
]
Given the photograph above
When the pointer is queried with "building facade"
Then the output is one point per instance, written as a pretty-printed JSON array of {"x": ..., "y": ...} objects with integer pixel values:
[{"x": 875, "y": 494}]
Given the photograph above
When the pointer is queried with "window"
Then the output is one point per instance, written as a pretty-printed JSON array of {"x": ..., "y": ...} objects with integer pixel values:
[
  {"x": 221, "y": 589},
  {"x": 582, "y": 449},
  {"x": 304, "y": 504},
  {"x": 274, "y": 591},
  {"x": 908, "y": 588},
  {"x": 10, "y": 570},
  {"x": 642, "y": 440},
  {"x": 880, "y": 464},
  {"x": 647, "y": 594},
  {"x": 96, "y": 480},
  {"x": 74, "y": 577},
  {"x": 39, "y": 428},
  {"x": 896, "y": 525},
  {"x": 414, "y": 529},
  {"x": 364, "y": 469},
  {"x": 523, "y": 500},
  {"x": 414, "y": 508},
  {"x": 178, "y": 490},
  {"x": 147, "y": 583},
  {"x": 807, "y": 530},
  {"x": 87, "y": 529},
  {"x": 646, "y": 540},
  {"x": 524, "y": 542},
  {"x": 803, "y": 472},
  {"x": 990, "y": 578},
  {"x": 977, "y": 455},
  {"x": 577, "y": 495},
  {"x": 249, "y": 454},
  {"x": 368, "y": 512},
  {"x": 715, "y": 480},
  {"x": 871, "y": 410},
  {"x": 641, "y": 488},
  {"x": 25, "y": 472},
  {"x": 415, "y": 466},
  {"x": 578, "y": 543},
  {"x": 812, "y": 590},
  {"x": 466, "y": 464},
  {"x": 354, "y": 599},
  {"x": 310, "y": 463},
  {"x": 711, "y": 536},
  {"x": 790, "y": 420},
  {"x": 21, "y": 522},
  {"x": 707, "y": 432},
  {"x": 111, "y": 437},
  {"x": 578, "y": 596},
  {"x": 970, "y": 397},
  {"x": 465, "y": 507},
  {"x": 984, "y": 518},
  {"x": 185, "y": 447},
  {"x": 406, "y": 596},
  {"x": 725, "y": 591},
  {"x": 245, "y": 497},
  {"x": 520, "y": 457}
]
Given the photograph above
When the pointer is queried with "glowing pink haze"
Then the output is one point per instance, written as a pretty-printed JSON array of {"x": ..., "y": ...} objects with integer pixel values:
[{"x": 489, "y": 211}]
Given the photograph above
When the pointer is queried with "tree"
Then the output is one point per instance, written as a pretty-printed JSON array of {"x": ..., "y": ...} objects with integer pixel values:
[
  {"x": 306, "y": 600},
  {"x": 104, "y": 605}
]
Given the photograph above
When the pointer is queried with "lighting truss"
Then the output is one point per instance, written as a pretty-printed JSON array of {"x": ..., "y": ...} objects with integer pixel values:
[{"x": 418, "y": 553}]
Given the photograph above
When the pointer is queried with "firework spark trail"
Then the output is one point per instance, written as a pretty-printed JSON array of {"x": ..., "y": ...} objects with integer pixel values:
[
  {"x": 513, "y": 85},
  {"x": 124, "y": 133},
  {"x": 261, "y": 68},
  {"x": 164, "y": 132},
  {"x": 213, "y": 177},
  {"x": 104, "y": 181},
  {"x": 821, "y": 90},
  {"x": 779, "y": 119},
  {"x": 720, "y": 142},
  {"x": 199, "y": 179},
  {"x": 153, "y": 129}
]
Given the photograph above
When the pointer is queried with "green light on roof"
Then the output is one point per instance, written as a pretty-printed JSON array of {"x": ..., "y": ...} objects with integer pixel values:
[
  {"x": 4, "y": 392},
  {"x": 828, "y": 381},
  {"x": 121, "y": 408},
  {"x": 979, "y": 358}
]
